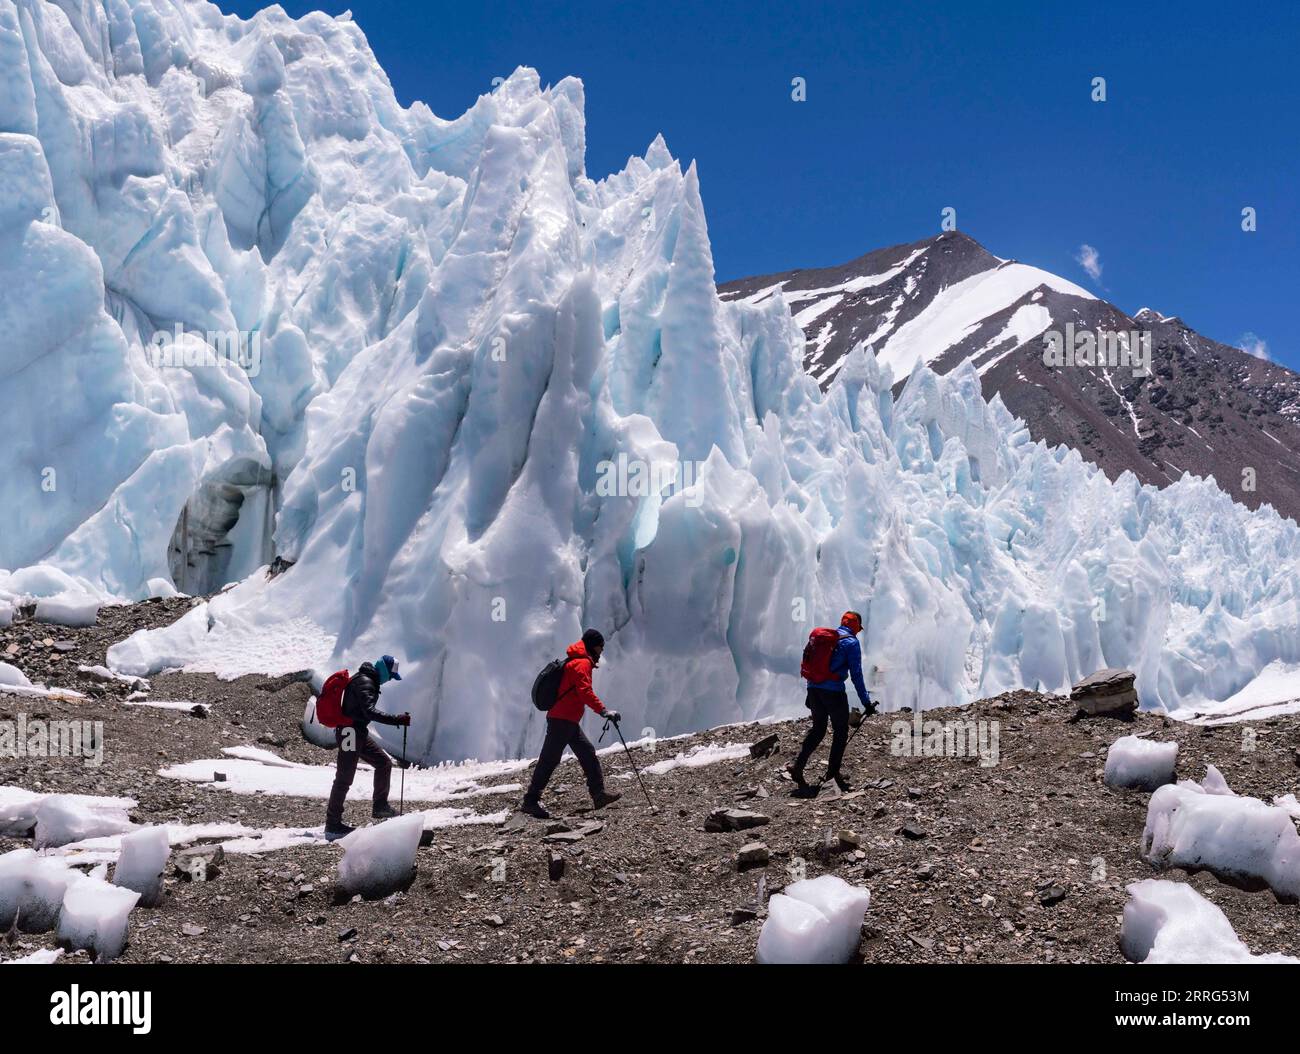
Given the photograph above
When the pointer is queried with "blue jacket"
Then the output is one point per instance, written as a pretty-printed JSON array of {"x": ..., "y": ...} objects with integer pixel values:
[{"x": 846, "y": 662}]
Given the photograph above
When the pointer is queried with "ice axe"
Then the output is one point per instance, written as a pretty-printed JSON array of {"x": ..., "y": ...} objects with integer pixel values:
[{"x": 630, "y": 760}]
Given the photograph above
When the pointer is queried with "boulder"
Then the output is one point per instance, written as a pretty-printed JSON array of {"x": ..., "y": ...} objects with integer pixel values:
[
  {"x": 555, "y": 866},
  {"x": 1106, "y": 693},
  {"x": 753, "y": 854},
  {"x": 734, "y": 820},
  {"x": 199, "y": 863}
]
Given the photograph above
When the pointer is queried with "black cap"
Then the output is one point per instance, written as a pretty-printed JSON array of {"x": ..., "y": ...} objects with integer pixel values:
[{"x": 593, "y": 638}]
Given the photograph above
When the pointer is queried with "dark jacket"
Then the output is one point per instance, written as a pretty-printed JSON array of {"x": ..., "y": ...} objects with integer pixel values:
[
  {"x": 575, "y": 693},
  {"x": 362, "y": 695}
]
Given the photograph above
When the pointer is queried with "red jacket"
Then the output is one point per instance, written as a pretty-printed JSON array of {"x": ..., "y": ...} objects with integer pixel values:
[{"x": 575, "y": 687}]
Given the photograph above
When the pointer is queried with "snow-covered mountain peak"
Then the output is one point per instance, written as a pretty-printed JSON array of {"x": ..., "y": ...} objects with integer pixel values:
[{"x": 1201, "y": 407}]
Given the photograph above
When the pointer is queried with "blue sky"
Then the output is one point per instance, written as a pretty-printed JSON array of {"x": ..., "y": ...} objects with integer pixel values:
[{"x": 984, "y": 107}]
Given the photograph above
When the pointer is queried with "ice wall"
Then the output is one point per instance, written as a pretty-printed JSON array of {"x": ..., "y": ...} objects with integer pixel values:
[{"x": 447, "y": 339}]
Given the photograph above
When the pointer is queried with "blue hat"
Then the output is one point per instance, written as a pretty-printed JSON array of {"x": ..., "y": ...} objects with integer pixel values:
[{"x": 387, "y": 667}]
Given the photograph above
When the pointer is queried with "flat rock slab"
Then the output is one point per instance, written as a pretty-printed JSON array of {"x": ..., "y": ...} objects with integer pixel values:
[
  {"x": 576, "y": 835},
  {"x": 734, "y": 820},
  {"x": 1106, "y": 681}
]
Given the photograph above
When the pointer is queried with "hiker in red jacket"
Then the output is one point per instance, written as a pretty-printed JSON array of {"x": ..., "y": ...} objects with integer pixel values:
[{"x": 575, "y": 694}]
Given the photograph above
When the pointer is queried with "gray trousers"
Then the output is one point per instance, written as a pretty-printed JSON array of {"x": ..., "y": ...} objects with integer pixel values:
[
  {"x": 561, "y": 734},
  {"x": 364, "y": 749}
]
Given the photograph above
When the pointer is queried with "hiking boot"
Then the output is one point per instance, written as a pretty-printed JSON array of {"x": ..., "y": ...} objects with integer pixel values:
[
  {"x": 844, "y": 785},
  {"x": 604, "y": 798},
  {"x": 333, "y": 834},
  {"x": 535, "y": 809},
  {"x": 383, "y": 812},
  {"x": 795, "y": 771}
]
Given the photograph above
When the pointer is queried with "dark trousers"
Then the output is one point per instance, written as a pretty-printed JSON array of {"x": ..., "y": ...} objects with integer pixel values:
[
  {"x": 561, "y": 734},
  {"x": 826, "y": 706},
  {"x": 363, "y": 749}
]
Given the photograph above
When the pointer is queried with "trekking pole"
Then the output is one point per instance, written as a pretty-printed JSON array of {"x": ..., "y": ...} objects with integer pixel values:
[
  {"x": 631, "y": 761},
  {"x": 401, "y": 801}
]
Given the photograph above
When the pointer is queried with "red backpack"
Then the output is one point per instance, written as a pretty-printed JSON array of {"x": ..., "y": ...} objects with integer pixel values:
[
  {"x": 816, "y": 666},
  {"x": 329, "y": 705}
]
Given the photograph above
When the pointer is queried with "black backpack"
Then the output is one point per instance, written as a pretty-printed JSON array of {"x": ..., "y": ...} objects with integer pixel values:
[{"x": 546, "y": 687}]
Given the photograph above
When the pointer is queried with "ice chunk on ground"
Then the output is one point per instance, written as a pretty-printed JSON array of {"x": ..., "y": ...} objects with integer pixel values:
[
  {"x": 18, "y": 811},
  {"x": 1241, "y": 840},
  {"x": 68, "y": 609},
  {"x": 1169, "y": 922},
  {"x": 103, "y": 673},
  {"x": 42, "y": 957},
  {"x": 141, "y": 863},
  {"x": 1214, "y": 783},
  {"x": 13, "y": 676},
  {"x": 39, "y": 691},
  {"x": 818, "y": 920},
  {"x": 94, "y": 916},
  {"x": 313, "y": 731},
  {"x": 18, "y": 808},
  {"x": 380, "y": 859},
  {"x": 794, "y": 932},
  {"x": 32, "y": 889},
  {"x": 64, "y": 818},
  {"x": 843, "y": 905},
  {"x": 1140, "y": 764}
]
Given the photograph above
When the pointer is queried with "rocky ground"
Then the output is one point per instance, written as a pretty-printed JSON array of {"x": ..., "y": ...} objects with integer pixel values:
[{"x": 1022, "y": 861}]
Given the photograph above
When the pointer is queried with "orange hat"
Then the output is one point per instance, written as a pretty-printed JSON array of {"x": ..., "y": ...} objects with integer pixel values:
[{"x": 852, "y": 620}]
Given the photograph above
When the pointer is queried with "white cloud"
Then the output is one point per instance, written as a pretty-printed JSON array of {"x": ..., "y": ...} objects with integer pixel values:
[
  {"x": 1253, "y": 345},
  {"x": 1090, "y": 260}
]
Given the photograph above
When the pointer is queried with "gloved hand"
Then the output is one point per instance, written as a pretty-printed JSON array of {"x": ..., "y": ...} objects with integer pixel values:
[
  {"x": 403, "y": 719},
  {"x": 613, "y": 715}
]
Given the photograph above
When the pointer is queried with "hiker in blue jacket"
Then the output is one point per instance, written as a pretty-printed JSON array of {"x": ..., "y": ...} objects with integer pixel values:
[{"x": 829, "y": 701}]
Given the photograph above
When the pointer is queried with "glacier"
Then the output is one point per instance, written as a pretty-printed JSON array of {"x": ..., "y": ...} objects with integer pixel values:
[{"x": 415, "y": 346}]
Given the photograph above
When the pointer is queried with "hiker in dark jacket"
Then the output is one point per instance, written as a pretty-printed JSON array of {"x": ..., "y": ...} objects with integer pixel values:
[
  {"x": 829, "y": 701},
  {"x": 572, "y": 699},
  {"x": 360, "y": 700}
]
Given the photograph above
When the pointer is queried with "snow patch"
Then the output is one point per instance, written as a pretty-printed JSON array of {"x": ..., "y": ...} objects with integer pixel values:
[{"x": 1169, "y": 922}]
